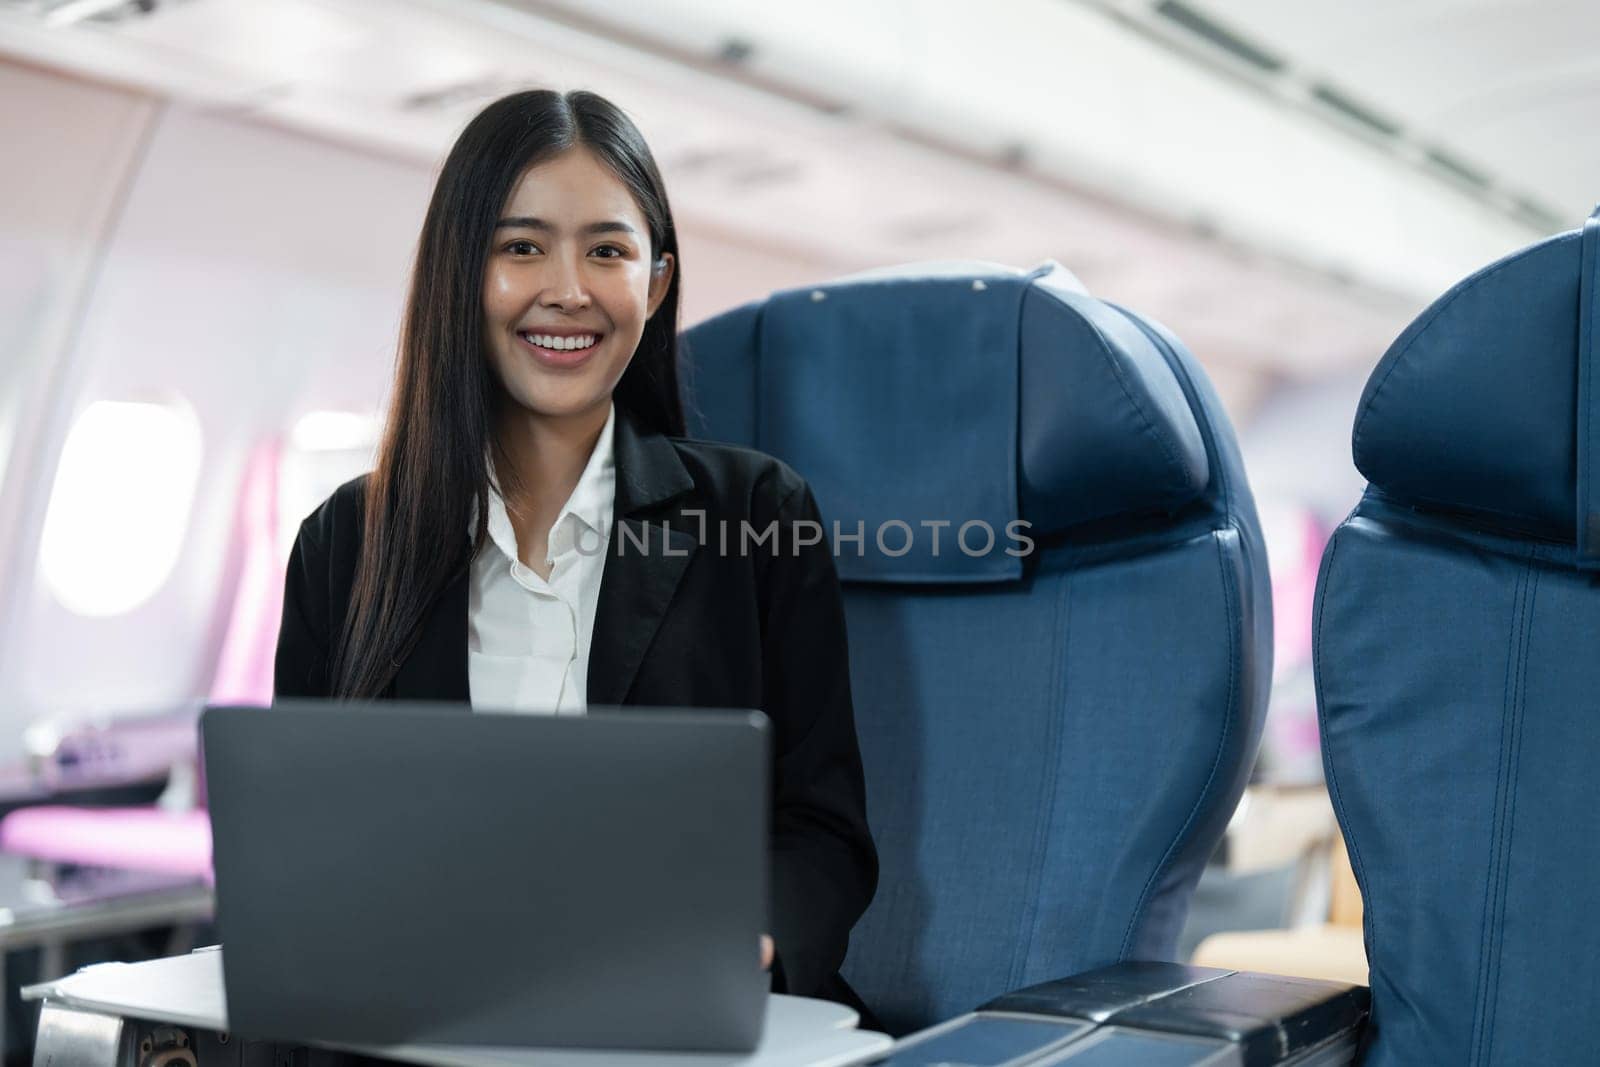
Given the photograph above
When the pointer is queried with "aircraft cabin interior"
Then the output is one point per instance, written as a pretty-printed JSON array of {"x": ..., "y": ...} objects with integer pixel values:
[{"x": 695, "y": 533}]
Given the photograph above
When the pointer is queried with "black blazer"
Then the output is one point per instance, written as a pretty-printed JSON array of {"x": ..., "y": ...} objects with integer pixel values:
[{"x": 690, "y": 626}]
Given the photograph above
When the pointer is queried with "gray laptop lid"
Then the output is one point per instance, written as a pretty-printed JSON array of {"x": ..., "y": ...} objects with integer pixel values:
[{"x": 409, "y": 873}]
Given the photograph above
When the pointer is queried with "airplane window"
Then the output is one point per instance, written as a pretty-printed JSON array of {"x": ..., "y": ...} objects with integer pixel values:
[
  {"x": 120, "y": 505},
  {"x": 334, "y": 431}
]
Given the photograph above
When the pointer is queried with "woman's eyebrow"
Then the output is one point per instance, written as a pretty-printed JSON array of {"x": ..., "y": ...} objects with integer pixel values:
[{"x": 528, "y": 222}]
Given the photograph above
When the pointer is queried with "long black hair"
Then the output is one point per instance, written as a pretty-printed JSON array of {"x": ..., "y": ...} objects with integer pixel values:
[{"x": 433, "y": 467}]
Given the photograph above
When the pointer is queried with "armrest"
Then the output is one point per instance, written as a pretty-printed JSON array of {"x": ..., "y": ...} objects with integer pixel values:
[
  {"x": 1271, "y": 1019},
  {"x": 1100, "y": 994},
  {"x": 1152, "y": 1015}
]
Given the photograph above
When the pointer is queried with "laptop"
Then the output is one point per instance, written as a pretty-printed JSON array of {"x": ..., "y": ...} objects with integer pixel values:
[{"x": 396, "y": 873}]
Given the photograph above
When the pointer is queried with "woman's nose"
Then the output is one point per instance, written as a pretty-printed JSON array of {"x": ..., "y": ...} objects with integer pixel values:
[{"x": 564, "y": 287}]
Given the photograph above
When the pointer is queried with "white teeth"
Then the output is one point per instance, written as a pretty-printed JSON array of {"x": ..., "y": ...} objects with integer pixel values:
[{"x": 561, "y": 344}]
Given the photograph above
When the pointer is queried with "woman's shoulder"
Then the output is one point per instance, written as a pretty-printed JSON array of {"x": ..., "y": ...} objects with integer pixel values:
[
  {"x": 339, "y": 518},
  {"x": 740, "y": 478}
]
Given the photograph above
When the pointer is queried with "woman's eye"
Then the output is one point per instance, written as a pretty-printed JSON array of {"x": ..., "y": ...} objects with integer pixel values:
[
  {"x": 522, "y": 248},
  {"x": 608, "y": 252}
]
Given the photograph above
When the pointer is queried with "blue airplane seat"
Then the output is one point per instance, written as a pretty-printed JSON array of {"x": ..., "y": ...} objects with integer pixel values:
[
  {"x": 1458, "y": 669},
  {"x": 1054, "y": 739}
]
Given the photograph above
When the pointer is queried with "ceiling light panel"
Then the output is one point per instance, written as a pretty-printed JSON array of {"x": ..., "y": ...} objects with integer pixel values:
[
  {"x": 1127, "y": 158},
  {"x": 1507, "y": 86},
  {"x": 833, "y": 49}
]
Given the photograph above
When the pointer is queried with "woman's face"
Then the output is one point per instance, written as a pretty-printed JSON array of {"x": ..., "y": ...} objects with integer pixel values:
[{"x": 569, "y": 286}]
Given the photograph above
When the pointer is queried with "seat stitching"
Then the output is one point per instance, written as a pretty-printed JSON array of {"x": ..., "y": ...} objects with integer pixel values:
[
  {"x": 1514, "y": 758},
  {"x": 1369, "y": 912},
  {"x": 1041, "y": 832},
  {"x": 1222, "y": 742},
  {"x": 1494, "y": 886},
  {"x": 1475, "y": 1048}
]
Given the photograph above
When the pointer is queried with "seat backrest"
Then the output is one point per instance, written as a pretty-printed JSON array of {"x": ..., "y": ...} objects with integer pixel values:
[
  {"x": 1054, "y": 740},
  {"x": 1458, "y": 669}
]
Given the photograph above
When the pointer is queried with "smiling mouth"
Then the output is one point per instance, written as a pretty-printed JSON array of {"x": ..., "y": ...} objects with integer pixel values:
[{"x": 559, "y": 344}]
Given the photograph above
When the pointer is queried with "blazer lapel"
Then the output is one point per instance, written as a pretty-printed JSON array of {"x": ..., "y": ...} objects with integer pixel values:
[
  {"x": 436, "y": 669},
  {"x": 645, "y": 560}
]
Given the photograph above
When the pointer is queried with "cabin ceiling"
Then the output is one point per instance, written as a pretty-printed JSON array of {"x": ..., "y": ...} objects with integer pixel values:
[
  {"x": 1139, "y": 143},
  {"x": 1507, "y": 92}
]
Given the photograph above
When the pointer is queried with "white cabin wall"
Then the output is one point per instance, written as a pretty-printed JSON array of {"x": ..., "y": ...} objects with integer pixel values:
[
  {"x": 248, "y": 273},
  {"x": 71, "y": 147}
]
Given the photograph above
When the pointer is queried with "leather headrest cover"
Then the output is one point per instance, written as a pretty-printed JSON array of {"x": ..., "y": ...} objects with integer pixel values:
[
  {"x": 1475, "y": 407},
  {"x": 986, "y": 395},
  {"x": 1106, "y": 428}
]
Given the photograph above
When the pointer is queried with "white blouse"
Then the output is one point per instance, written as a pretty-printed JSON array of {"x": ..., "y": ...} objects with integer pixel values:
[{"x": 528, "y": 637}]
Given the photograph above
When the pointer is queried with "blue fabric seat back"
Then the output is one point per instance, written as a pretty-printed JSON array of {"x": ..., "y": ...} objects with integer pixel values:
[
  {"x": 1458, "y": 670},
  {"x": 1054, "y": 739}
]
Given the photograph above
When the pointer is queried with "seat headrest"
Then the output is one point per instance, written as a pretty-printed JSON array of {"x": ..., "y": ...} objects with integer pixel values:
[
  {"x": 1487, "y": 404},
  {"x": 950, "y": 393}
]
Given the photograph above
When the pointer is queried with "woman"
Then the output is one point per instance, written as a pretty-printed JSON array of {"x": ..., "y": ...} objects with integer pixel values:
[{"x": 510, "y": 549}]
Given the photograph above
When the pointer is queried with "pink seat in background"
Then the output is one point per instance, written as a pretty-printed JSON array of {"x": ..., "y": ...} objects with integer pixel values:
[{"x": 138, "y": 839}]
